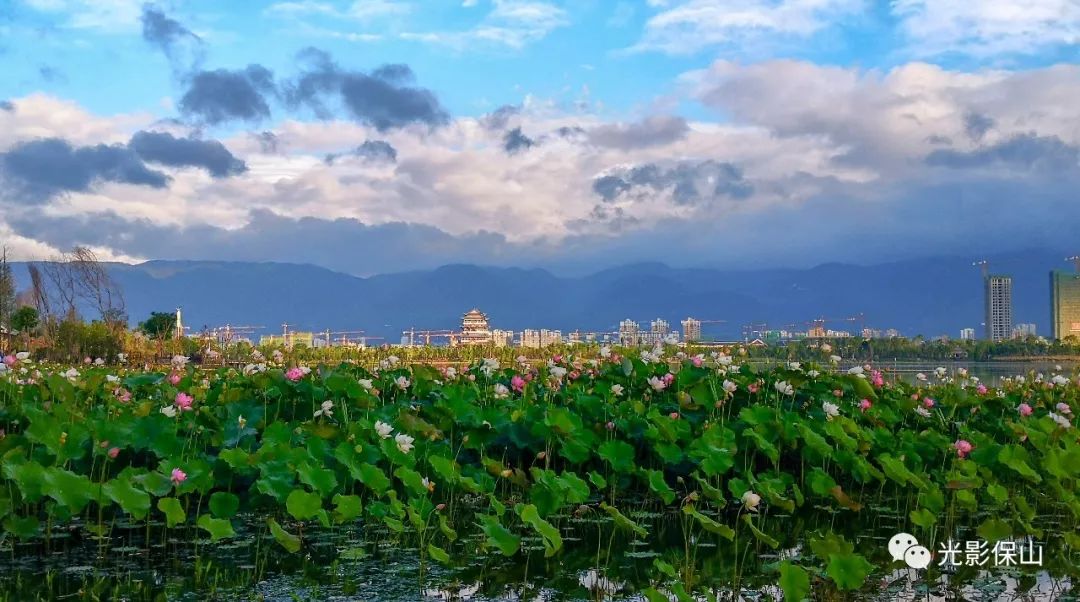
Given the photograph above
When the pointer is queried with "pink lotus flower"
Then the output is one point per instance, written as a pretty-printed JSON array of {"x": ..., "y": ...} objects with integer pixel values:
[
  {"x": 876, "y": 378},
  {"x": 963, "y": 447},
  {"x": 697, "y": 360},
  {"x": 556, "y": 358},
  {"x": 174, "y": 378},
  {"x": 914, "y": 397},
  {"x": 753, "y": 387},
  {"x": 838, "y": 393},
  {"x": 669, "y": 378},
  {"x": 574, "y": 375},
  {"x": 928, "y": 403},
  {"x": 610, "y": 426},
  {"x": 183, "y": 401},
  {"x": 294, "y": 374},
  {"x": 122, "y": 395},
  {"x": 981, "y": 389},
  {"x": 87, "y": 360},
  {"x": 1024, "y": 409},
  {"x": 10, "y": 360},
  {"x": 674, "y": 415},
  {"x": 113, "y": 452},
  {"x": 865, "y": 405},
  {"x": 517, "y": 383},
  {"x": 178, "y": 476},
  {"x": 1064, "y": 408}
]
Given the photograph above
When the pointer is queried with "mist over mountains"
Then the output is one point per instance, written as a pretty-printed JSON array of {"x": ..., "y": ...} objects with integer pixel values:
[{"x": 929, "y": 296}]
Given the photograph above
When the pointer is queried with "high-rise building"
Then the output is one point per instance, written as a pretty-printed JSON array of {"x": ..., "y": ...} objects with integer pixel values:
[
  {"x": 474, "y": 328},
  {"x": 629, "y": 333},
  {"x": 659, "y": 329},
  {"x": 1021, "y": 331},
  {"x": 530, "y": 338},
  {"x": 502, "y": 338},
  {"x": 999, "y": 318},
  {"x": 967, "y": 334},
  {"x": 1064, "y": 304},
  {"x": 691, "y": 330}
]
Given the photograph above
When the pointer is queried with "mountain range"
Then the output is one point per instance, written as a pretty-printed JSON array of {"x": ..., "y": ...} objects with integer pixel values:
[{"x": 928, "y": 296}]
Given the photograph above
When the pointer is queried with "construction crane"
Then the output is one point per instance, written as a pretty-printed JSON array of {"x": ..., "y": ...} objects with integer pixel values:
[
  {"x": 224, "y": 334},
  {"x": 985, "y": 265},
  {"x": 345, "y": 334},
  {"x": 427, "y": 335},
  {"x": 1076, "y": 262}
]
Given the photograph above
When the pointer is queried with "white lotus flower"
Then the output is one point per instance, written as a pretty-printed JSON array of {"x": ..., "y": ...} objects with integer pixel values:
[
  {"x": 501, "y": 392},
  {"x": 451, "y": 372},
  {"x": 99, "y": 362},
  {"x": 22, "y": 355},
  {"x": 112, "y": 378},
  {"x": 404, "y": 443},
  {"x": 831, "y": 410},
  {"x": 605, "y": 351},
  {"x": 940, "y": 372},
  {"x": 489, "y": 366},
  {"x": 656, "y": 383},
  {"x": 179, "y": 361},
  {"x": 71, "y": 374},
  {"x": 616, "y": 390},
  {"x": 724, "y": 359},
  {"x": 327, "y": 409},
  {"x": 794, "y": 366},
  {"x": 856, "y": 370},
  {"x": 730, "y": 387},
  {"x": 835, "y": 359},
  {"x": 383, "y": 429},
  {"x": 1059, "y": 380},
  {"x": 557, "y": 371},
  {"x": 169, "y": 410},
  {"x": 402, "y": 382},
  {"x": 1062, "y": 421},
  {"x": 366, "y": 383},
  {"x": 751, "y": 500},
  {"x": 921, "y": 411},
  {"x": 825, "y": 347},
  {"x": 784, "y": 387},
  {"x": 813, "y": 373}
]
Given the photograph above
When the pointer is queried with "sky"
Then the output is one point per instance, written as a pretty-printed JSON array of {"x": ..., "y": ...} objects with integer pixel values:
[{"x": 374, "y": 136}]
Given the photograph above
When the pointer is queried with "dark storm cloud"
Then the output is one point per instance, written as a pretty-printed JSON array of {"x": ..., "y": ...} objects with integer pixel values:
[
  {"x": 342, "y": 244},
  {"x": 514, "y": 141},
  {"x": 41, "y": 169},
  {"x": 976, "y": 125},
  {"x": 169, "y": 35},
  {"x": 370, "y": 150},
  {"x": 221, "y": 95},
  {"x": 383, "y": 98},
  {"x": 7, "y": 105},
  {"x": 690, "y": 183},
  {"x": 1025, "y": 151},
  {"x": 649, "y": 132},
  {"x": 164, "y": 148}
]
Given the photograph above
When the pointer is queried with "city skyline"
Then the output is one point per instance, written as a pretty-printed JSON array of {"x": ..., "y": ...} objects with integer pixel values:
[{"x": 376, "y": 137}]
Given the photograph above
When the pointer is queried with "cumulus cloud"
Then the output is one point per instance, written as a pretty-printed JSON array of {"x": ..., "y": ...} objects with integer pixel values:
[
  {"x": 688, "y": 183},
  {"x": 1024, "y": 151},
  {"x": 383, "y": 98},
  {"x": 510, "y": 24},
  {"x": 651, "y": 131},
  {"x": 7, "y": 105},
  {"x": 39, "y": 170},
  {"x": 166, "y": 149},
  {"x": 217, "y": 96}
]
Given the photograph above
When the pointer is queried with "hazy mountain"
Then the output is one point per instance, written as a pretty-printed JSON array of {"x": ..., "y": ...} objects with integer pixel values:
[{"x": 924, "y": 296}]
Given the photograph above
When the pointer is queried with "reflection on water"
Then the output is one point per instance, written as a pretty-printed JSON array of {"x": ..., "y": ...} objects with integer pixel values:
[{"x": 598, "y": 563}]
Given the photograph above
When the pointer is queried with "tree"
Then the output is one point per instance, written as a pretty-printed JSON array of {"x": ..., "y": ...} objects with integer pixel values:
[
  {"x": 7, "y": 291},
  {"x": 25, "y": 320},
  {"x": 160, "y": 325}
]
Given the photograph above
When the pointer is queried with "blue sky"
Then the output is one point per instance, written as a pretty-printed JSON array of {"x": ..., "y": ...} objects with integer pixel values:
[{"x": 536, "y": 131}]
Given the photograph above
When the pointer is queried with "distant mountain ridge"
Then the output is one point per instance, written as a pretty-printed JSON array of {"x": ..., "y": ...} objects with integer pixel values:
[{"x": 930, "y": 296}]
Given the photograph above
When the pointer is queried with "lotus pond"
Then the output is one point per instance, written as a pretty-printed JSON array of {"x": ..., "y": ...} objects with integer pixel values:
[{"x": 636, "y": 476}]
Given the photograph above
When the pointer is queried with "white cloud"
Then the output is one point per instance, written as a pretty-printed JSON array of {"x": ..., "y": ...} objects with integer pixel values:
[
  {"x": 693, "y": 25},
  {"x": 987, "y": 28},
  {"x": 110, "y": 16},
  {"x": 510, "y": 24}
]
